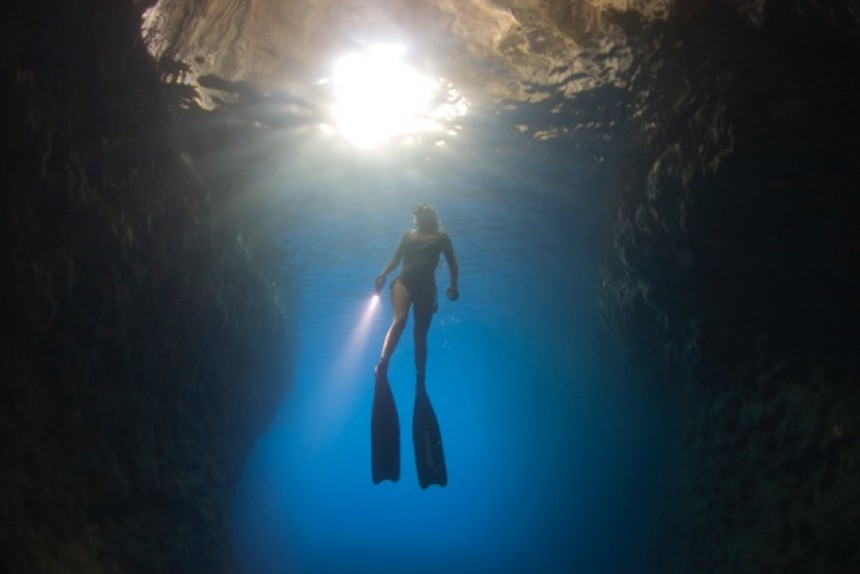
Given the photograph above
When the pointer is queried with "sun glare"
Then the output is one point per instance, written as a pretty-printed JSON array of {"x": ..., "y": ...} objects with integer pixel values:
[{"x": 379, "y": 98}]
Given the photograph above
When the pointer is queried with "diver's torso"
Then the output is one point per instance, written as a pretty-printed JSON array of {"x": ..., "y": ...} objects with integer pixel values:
[{"x": 421, "y": 254}]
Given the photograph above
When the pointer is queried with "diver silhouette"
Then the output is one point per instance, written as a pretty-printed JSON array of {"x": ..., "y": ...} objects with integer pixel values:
[{"x": 414, "y": 287}]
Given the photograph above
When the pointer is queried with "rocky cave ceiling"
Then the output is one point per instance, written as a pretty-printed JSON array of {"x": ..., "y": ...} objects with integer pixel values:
[{"x": 490, "y": 50}]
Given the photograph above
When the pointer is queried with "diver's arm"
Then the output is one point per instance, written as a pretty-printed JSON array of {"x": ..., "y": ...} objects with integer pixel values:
[
  {"x": 453, "y": 269},
  {"x": 391, "y": 265}
]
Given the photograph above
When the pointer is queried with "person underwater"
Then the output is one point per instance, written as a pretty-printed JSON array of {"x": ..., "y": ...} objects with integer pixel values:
[{"x": 415, "y": 288}]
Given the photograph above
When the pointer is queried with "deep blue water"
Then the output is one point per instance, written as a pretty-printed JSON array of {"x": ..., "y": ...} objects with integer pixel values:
[{"x": 557, "y": 454}]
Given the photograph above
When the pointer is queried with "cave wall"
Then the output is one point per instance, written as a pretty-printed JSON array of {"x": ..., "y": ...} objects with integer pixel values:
[
  {"x": 146, "y": 344},
  {"x": 735, "y": 275}
]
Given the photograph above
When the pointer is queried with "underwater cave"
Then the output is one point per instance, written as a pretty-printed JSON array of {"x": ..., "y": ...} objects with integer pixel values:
[{"x": 650, "y": 362}]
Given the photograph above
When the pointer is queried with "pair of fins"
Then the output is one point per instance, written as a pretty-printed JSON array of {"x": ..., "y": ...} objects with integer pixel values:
[{"x": 385, "y": 438}]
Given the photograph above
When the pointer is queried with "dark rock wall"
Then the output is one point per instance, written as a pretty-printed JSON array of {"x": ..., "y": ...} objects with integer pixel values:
[
  {"x": 735, "y": 275},
  {"x": 146, "y": 343}
]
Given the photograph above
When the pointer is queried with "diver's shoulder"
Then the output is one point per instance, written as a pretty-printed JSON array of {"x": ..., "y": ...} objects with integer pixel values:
[{"x": 429, "y": 238}]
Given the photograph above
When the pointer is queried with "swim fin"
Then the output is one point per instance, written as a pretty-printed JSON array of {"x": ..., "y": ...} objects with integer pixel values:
[
  {"x": 429, "y": 455},
  {"x": 384, "y": 433}
]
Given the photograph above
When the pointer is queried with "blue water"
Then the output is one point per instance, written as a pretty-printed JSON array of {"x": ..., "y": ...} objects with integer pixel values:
[{"x": 557, "y": 454}]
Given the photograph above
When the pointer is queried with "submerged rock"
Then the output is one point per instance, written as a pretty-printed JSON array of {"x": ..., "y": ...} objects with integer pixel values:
[
  {"x": 144, "y": 347},
  {"x": 748, "y": 126}
]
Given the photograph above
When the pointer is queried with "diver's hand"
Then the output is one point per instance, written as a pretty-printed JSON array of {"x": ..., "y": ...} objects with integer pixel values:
[
  {"x": 453, "y": 293},
  {"x": 380, "y": 283}
]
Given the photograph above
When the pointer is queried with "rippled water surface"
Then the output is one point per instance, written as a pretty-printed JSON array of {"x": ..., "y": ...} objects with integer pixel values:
[{"x": 556, "y": 454}]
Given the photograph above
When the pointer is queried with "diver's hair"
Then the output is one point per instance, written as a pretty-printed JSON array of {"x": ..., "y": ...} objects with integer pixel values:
[{"x": 426, "y": 218}]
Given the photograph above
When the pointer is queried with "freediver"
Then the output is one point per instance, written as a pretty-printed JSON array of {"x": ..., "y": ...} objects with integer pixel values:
[{"x": 414, "y": 287}]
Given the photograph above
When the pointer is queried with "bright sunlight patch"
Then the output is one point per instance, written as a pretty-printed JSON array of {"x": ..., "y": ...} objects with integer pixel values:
[{"x": 380, "y": 99}]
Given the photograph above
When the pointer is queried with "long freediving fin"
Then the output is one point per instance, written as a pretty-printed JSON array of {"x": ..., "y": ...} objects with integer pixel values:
[
  {"x": 427, "y": 439},
  {"x": 384, "y": 434}
]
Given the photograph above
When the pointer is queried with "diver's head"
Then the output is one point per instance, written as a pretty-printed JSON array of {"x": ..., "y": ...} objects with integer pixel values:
[{"x": 426, "y": 218}]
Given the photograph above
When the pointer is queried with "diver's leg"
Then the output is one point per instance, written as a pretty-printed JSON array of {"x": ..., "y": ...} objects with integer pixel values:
[
  {"x": 400, "y": 302},
  {"x": 423, "y": 314}
]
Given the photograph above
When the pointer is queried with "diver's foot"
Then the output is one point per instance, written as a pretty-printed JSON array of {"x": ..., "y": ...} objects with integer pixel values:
[{"x": 419, "y": 384}]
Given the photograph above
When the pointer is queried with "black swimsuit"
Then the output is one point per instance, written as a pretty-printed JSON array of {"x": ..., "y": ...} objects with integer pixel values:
[{"x": 420, "y": 257}]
